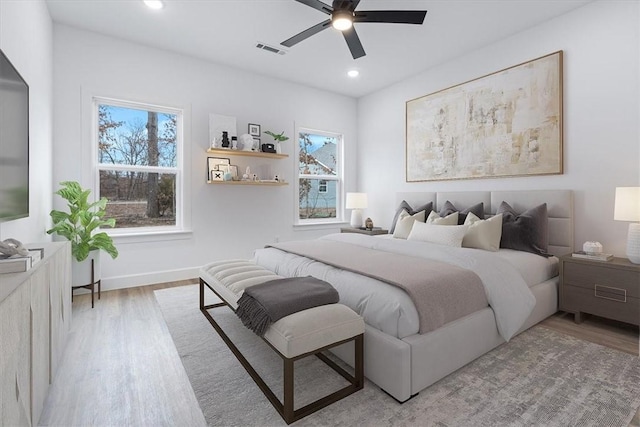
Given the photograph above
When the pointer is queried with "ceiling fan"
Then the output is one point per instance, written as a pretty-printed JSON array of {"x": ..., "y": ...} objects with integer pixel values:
[{"x": 343, "y": 16}]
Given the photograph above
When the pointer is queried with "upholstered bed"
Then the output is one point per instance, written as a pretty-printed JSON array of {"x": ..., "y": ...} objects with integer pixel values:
[{"x": 402, "y": 355}]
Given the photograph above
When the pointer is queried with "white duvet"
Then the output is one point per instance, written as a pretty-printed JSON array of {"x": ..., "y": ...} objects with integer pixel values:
[{"x": 388, "y": 308}]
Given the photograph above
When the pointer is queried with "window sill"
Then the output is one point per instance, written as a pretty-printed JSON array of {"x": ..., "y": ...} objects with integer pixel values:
[
  {"x": 151, "y": 236},
  {"x": 308, "y": 226}
]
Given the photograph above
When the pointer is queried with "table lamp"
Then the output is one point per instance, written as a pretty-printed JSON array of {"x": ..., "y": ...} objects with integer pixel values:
[
  {"x": 627, "y": 208},
  {"x": 356, "y": 202}
]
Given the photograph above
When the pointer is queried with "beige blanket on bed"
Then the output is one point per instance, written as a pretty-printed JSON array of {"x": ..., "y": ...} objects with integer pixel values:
[{"x": 441, "y": 292}]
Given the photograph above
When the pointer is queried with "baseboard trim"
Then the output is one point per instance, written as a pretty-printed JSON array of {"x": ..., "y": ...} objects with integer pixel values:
[{"x": 135, "y": 280}]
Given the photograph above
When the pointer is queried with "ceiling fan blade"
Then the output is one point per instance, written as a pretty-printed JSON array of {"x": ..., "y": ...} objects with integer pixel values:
[
  {"x": 391, "y": 16},
  {"x": 307, "y": 33},
  {"x": 318, "y": 5},
  {"x": 353, "y": 41}
]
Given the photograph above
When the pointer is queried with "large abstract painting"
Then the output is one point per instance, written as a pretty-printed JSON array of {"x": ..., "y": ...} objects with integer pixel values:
[{"x": 508, "y": 123}]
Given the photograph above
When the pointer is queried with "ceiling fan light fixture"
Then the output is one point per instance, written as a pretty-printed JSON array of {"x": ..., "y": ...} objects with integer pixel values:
[
  {"x": 154, "y": 4},
  {"x": 342, "y": 20}
]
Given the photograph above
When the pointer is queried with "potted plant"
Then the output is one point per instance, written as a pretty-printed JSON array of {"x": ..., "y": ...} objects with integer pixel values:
[
  {"x": 278, "y": 137},
  {"x": 80, "y": 226}
]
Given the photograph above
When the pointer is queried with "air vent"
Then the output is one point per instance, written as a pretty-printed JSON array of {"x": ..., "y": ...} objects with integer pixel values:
[{"x": 271, "y": 49}]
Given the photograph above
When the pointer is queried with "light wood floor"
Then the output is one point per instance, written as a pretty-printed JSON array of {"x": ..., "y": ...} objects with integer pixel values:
[{"x": 121, "y": 367}]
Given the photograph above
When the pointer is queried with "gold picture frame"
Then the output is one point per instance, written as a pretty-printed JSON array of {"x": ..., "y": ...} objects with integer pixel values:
[{"x": 504, "y": 124}]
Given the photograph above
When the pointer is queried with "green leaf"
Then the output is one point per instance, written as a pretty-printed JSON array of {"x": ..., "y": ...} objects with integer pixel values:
[{"x": 82, "y": 221}]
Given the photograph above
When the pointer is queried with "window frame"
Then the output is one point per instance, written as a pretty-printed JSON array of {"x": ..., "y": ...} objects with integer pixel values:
[
  {"x": 180, "y": 184},
  {"x": 338, "y": 178}
]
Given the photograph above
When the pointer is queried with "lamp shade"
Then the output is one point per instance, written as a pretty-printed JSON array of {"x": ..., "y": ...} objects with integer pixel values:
[
  {"x": 627, "y": 205},
  {"x": 356, "y": 201}
]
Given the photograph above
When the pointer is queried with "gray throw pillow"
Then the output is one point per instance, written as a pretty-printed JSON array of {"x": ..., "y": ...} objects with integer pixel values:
[
  {"x": 448, "y": 209},
  {"x": 405, "y": 206},
  {"x": 528, "y": 231}
]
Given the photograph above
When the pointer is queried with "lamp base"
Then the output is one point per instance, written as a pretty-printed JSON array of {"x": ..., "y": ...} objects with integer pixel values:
[
  {"x": 356, "y": 218},
  {"x": 633, "y": 243}
]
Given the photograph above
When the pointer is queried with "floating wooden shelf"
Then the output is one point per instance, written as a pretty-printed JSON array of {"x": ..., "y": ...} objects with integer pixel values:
[
  {"x": 273, "y": 184},
  {"x": 229, "y": 152}
]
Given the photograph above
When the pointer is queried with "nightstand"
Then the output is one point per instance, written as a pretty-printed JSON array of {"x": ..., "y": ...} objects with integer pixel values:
[
  {"x": 609, "y": 289},
  {"x": 374, "y": 232}
]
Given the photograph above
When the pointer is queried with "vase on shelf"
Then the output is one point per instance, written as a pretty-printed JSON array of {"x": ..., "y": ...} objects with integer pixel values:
[{"x": 278, "y": 147}]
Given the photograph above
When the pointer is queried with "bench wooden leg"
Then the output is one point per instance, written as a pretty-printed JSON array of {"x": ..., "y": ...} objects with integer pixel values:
[{"x": 288, "y": 414}]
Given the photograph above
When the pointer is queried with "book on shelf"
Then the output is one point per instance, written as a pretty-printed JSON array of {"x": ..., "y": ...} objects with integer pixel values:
[
  {"x": 22, "y": 263},
  {"x": 593, "y": 257}
]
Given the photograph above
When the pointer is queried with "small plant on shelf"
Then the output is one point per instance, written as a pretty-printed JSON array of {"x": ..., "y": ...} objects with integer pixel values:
[{"x": 280, "y": 137}]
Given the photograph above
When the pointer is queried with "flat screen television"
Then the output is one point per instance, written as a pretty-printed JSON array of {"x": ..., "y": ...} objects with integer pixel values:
[{"x": 14, "y": 142}]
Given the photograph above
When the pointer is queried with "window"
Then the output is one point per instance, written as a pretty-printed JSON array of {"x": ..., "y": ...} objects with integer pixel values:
[
  {"x": 319, "y": 177},
  {"x": 139, "y": 164}
]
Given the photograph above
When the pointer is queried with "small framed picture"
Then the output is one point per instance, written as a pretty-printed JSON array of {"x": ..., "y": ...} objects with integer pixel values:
[
  {"x": 216, "y": 175},
  {"x": 232, "y": 169},
  {"x": 254, "y": 130},
  {"x": 256, "y": 144},
  {"x": 213, "y": 163}
]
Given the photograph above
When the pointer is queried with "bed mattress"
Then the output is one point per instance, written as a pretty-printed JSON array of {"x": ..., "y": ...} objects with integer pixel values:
[{"x": 388, "y": 308}]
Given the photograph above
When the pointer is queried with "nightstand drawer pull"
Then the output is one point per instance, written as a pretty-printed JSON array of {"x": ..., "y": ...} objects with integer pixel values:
[{"x": 607, "y": 292}]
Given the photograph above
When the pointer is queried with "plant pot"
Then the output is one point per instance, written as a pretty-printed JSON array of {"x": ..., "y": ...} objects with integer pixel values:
[
  {"x": 81, "y": 271},
  {"x": 278, "y": 147}
]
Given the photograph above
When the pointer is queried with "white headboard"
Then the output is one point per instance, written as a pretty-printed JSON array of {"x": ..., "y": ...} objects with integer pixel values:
[{"x": 559, "y": 208}]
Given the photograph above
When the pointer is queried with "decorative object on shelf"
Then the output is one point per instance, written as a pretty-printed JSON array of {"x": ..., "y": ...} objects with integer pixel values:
[
  {"x": 256, "y": 144},
  {"x": 254, "y": 130},
  {"x": 592, "y": 248},
  {"x": 502, "y": 112},
  {"x": 225, "y": 139},
  {"x": 213, "y": 164},
  {"x": 219, "y": 124},
  {"x": 79, "y": 226},
  {"x": 278, "y": 138},
  {"x": 230, "y": 170},
  {"x": 356, "y": 202},
  {"x": 12, "y": 247},
  {"x": 234, "y": 143},
  {"x": 214, "y": 143},
  {"x": 368, "y": 224},
  {"x": 247, "y": 174},
  {"x": 246, "y": 142},
  {"x": 627, "y": 208},
  {"x": 268, "y": 148}
]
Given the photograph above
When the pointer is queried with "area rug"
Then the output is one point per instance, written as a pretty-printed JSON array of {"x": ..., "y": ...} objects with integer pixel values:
[{"x": 539, "y": 378}]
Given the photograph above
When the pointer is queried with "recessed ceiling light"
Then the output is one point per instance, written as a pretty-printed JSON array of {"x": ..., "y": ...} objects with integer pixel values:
[
  {"x": 154, "y": 4},
  {"x": 353, "y": 73}
]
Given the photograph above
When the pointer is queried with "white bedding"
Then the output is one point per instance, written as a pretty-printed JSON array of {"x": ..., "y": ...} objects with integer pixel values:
[{"x": 388, "y": 308}]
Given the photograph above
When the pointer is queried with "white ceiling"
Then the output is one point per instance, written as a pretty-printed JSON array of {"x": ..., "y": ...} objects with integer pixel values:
[{"x": 226, "y": 32}]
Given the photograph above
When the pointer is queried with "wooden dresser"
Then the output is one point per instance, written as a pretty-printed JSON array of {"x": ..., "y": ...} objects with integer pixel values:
[
  {"x": 35, "y": 317},
  {"x": 608, "y": 289}
]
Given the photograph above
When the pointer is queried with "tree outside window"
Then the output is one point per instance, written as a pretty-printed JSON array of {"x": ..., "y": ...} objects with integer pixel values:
[{"x": 138, "y": 169}]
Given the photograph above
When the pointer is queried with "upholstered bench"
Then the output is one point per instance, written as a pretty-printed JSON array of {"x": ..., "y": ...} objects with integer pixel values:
[{"x": 301, "y": 334}]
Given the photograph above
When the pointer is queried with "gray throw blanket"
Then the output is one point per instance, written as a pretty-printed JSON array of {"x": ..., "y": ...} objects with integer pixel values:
[{"x": 268, "y": 302}]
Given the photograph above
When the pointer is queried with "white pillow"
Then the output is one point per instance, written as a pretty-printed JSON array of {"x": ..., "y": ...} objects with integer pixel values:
[
  {"x": 434, "y": 218},
  {"x": 405, "y": 222},
  {"x": 451, "y": 235},
  {"x": 483, "y": 233}
]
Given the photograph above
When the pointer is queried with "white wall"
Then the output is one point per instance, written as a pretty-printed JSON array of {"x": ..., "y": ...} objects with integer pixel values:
[
  {"x": 601, "y": 109},
  {"x": 227, "y": 221},
  {"x": 26, "y": 39}
]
